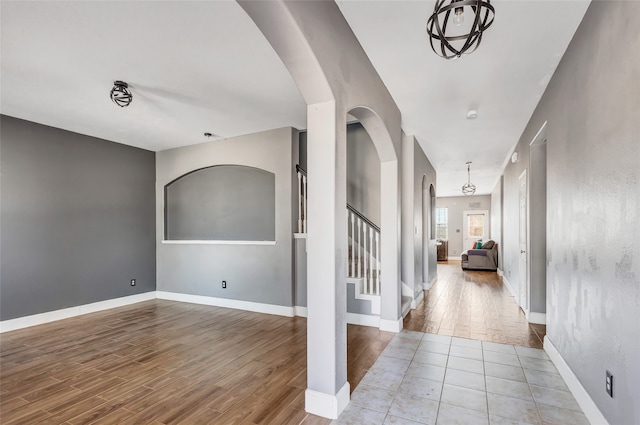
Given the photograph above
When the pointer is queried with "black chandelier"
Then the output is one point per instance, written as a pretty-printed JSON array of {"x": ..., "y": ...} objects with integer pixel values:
[
  {"x": 469, "y": 188},
  {"x": 449, "y": 36},
  {"x": 120, "y": 94}
]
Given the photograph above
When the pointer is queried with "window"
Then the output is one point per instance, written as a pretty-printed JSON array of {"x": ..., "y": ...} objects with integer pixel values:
[
  {"x": 475, "y": 225},
  {"x": 442, "y": 223}
]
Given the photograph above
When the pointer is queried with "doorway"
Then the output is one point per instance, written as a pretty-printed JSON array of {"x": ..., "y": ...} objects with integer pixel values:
[
  {"x": 474, "y": 227},
  {"x": 523, "y": 272}
]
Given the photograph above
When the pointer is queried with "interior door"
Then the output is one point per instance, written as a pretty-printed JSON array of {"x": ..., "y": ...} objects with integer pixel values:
[
  {"x": 474, "y": 228},
  {"x": 523, "y": 287}
]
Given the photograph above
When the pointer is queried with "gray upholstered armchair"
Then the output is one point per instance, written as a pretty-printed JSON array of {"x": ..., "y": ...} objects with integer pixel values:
[{"x": 485, "y": 258}]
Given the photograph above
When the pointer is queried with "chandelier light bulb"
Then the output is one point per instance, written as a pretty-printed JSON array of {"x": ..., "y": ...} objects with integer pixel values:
[{"x": 458, "y": 18}]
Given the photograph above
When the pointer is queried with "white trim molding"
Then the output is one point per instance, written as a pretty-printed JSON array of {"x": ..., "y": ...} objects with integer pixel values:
[
  {"x": 391, "y": 325},
  {"x": 363, "y": 320},
  {"x": 587, "y": 405},
  {"x": 66, "y": 313},
  {"x": 300, "y": 311},
  {"x": 417, "y": 300},
  {"x": 212, "y": 242},
  {"x": 500, "y": 272},
  {"x": 279, "y": 310},
  {"x": 299, "y": 236},
  {"x": 537, "y": 318},
  {"x": 456, "y": 258},
  {"x": 326, "y": 405},
  {"x": 508, "y": 285}
]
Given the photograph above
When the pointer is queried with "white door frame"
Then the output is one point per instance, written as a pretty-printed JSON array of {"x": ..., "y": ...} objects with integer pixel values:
[
  {"x": 465, "y": 228},
  {"x": 523, "y": 255}
]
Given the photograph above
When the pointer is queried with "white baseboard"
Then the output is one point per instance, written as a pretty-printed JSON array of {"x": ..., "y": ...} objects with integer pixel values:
[
  {"x": 279, "y": 310},
  {"x": 537, "y": 318},
  {"x": 65, "y": 313},
  {"x": 509, "y": 287},
  {"x": 391, "y": 325},
  {"x": 587, "y": 405},
  {"x": 500, "y": 272},
  {"x": 326, "y": 405},
  {"x": 457, "y": 258},
  {"x": 417, "y": 300},
  {"x": 363, "y": 320},
  {"x": 300, "y": 311}
]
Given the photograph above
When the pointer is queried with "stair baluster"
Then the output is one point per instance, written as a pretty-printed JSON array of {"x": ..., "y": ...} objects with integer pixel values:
[
  {"x": 377, "y": 263},
  {"x": 299, "y": 203}
]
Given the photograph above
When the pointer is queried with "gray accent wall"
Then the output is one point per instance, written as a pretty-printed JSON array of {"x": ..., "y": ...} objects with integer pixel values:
[
  {"x": 592, "y": 110},
  {"x": 256, "y": 273},
  {"x": 419, "y": 266},
  {"x": 457, "y": 205},
  {"x": 77, "y": 219}
]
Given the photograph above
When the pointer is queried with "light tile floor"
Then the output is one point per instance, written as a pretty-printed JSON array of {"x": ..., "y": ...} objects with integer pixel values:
[{"x": 436, "y": 379}]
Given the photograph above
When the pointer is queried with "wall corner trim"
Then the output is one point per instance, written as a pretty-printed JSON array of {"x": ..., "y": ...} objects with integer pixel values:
[
  {"x": 66, "y": 313},
  {"x": 587, "y": 405},
  {"x": 326, "y": 405},
  {"x": 391, "y": 325},
  {"x": 279, "y": 310},
  {"x": 300, "y": 311}
]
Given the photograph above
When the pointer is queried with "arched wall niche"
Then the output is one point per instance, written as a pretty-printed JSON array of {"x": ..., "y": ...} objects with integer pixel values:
[{"x": 221, "y": 202}]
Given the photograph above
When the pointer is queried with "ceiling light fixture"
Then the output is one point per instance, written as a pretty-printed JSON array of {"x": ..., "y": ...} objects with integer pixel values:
[
  {"x": 120, "y": 94},
  {"x": 448, "y": 37},
  {"x": 469, "y": 188},
  {"x": 472, "y": 114}
]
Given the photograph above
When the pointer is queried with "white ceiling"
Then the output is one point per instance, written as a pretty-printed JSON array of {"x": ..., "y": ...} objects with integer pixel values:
[{"x": 197, "y": 67}]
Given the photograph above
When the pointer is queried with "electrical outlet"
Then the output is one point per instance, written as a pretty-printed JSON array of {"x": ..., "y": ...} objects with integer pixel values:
[
  {"x": 609, "y": 384},
  {"x": 133, "y": 282},
  {"x": 224, "y": 284}
]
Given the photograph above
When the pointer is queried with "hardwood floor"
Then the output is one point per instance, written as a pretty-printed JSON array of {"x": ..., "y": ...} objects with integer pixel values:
[
  {"x": 162, "y": 362},
  {"x": 473, "y": 304}
]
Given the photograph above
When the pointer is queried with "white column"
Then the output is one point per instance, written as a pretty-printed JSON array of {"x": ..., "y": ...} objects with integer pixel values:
[
  {"x": 390, "y": 308},
  {"x": 327, "y": 388}
]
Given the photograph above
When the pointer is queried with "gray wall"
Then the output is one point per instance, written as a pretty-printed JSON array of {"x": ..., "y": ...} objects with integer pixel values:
[
  {"x": 592, "y": 105},
  {"x": 77, "y": 219},
  {"x": 224, "y": 202},
  {"x": 457, "y": 205},
  {"x": 257, "y": 273},
  {"x": 425, "y": 243},
  {"x": 419, "y": 266},
  {"x": 363, "y": 173},
  {"x": 300, "y": 271}
]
